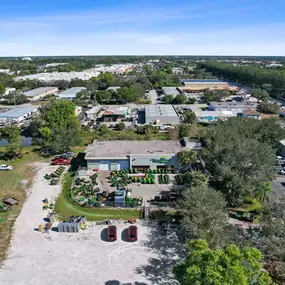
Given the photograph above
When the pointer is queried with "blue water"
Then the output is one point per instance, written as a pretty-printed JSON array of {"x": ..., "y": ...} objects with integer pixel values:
[{"x": 27, "y": 141}]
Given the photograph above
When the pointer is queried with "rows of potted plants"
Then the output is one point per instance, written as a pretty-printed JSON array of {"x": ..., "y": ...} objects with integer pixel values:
[
  {"x": 154, "y": 171},
  {"x": 164, "y": 179}
]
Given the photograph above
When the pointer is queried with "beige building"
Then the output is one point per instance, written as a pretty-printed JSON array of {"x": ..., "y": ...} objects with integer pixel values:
[
  {"x": 200, "y": 85},
  {"x": 39, "y": 93}
]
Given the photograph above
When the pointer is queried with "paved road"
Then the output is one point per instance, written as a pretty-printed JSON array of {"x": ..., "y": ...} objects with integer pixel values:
[
  {"x": 278, "y": 188},
  {"x": 153, "y": 96}
]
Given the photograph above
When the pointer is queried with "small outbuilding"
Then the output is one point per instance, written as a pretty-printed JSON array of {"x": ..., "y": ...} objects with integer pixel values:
[{"x": 11, "y": 201}]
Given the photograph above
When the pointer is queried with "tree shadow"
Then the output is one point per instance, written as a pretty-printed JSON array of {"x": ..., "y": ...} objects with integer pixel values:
[
  {"x": 168, "y": 250},
  {"x": 104, "y": 235},
  {"x": 116, "y": 282},
  {"x": 78, "y": 161}
]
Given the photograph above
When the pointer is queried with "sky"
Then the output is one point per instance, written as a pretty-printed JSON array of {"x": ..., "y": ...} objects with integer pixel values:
[{"x": 136, "y": 27}]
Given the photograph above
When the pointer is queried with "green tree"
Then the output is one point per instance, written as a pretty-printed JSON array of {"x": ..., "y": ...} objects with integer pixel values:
[
  {"x": 180, "y": 99},
  {"x": 262, "y": 193},
  {"x": 240, "y": 156},
  {"x": 59, "y": 127},
  {"x": 127, "y": 94},
  {"x": 104, "y": 130},
  {"x": 204, "y": 266},
  {"x": 2, "y": 90},
  {"x": 260, "y": 94},
  {"x": 187, "y": 157},
  {"x": 183, "y": 130},
  {"x": 191, "y": 179},
  {"x": 267, "y": 108},
  {"x": 189, "y": 117},
  {"x": 104, "y": 80},
  {"x": 14, "y": 148},
  {"x": 168, "y": 99},
  {"x": 204, "y": 215}
]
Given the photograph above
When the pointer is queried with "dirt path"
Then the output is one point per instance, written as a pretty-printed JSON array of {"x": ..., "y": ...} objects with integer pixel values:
[{"x": 85, "y": 257}]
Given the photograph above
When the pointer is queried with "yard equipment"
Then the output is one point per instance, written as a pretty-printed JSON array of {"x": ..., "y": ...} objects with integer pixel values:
[
  {"x": 40, "y": 228},
  {"x": 3, "y": 208}
]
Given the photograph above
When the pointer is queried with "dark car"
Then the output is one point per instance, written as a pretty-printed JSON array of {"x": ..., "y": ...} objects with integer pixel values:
[
  {"x": 133, "y": 233},
  {"x": 61, "y": 161},
  {"x": 112, "y": 233}
]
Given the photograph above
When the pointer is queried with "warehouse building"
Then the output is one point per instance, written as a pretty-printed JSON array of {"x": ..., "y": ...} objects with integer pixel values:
[
  {"x": 161, "y": 115},
  {"x": 53, "y": 76},
  {"x": 70, "y": 93},
  {"x": 202, "y": 85},
  {"x": 17, "y": 114},
  {"x": 212, "y": 116},
  {"x": 239, "y": 107},
  {"x": 116, "y": 155},
  {"x": 39, "y": 93},
  {"x": 170, "y": 91}
]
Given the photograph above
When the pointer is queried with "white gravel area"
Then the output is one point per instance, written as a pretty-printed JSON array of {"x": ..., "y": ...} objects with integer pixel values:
[{"x": 85, "y": 257}]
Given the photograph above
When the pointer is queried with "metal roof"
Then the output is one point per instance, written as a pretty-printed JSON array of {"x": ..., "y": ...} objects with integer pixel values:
[
  {"x": 201, "y": 80},
  {"x": 71, "y": 93},
  {"x": 160, "y": 111},
  {"x": 18, "y": 112},
  {"x": 170, "y": 90},
  {"x": 39, "y": 91},
  {"x": 125, "y": 148}
]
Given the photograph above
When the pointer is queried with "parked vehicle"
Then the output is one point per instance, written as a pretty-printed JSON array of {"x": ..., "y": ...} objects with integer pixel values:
[
  {"x": 281, "y": 171},
  {"x": 5, "y": 167},
  {"x": 133, "y": 233},
  {"x": 61, "y": 161},
  {"x": 68, "y": 154},
  {"x": 112, "y": 233}
]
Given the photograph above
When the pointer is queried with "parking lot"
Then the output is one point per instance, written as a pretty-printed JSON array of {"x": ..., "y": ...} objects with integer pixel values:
[{"x": 85, "y": 257}]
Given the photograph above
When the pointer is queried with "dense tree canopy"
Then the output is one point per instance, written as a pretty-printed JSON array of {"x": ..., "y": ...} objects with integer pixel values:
[
  {"x": 239, "y": 154},
  {"x": 251, "y": 75},
  {"x": 267, "y": 108},
  {"x": 204, "y": 215},
  {"x": 59, "y": 128},
  {"x": 204, "y": 266}
]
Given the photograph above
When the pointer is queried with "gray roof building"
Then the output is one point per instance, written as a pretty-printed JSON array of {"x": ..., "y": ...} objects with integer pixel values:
[
  {"x": 161, "y": 114},
  {"x": 122, "y": 149},
  {"x": 170, "y": 91},
  {"x": 229, "y": 106},
  {"x": 40, "y": 92},
  {"x": 18, "y": 113},
  {"x": 70, "y": 93}
]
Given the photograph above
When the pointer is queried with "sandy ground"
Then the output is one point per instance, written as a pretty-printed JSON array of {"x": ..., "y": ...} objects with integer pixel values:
[{"x": 85, "y": 257}]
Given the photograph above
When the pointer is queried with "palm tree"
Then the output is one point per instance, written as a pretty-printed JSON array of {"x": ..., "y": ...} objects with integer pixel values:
[
  {"x": 263, "y": 193},
  {"x": 187, "y": 157}
]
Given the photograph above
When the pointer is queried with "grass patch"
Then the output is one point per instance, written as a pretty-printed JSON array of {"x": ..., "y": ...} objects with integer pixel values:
[
  {"x": 13, "y": 184},
  {"x": 66, "y": 207}
]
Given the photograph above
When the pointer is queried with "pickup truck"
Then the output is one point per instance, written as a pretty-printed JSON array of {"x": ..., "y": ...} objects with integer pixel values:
[{"x": 5, "y": 167}]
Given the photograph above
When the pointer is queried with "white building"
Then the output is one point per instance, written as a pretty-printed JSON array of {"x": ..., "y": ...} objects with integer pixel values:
[{"x": 70, "y": 93}]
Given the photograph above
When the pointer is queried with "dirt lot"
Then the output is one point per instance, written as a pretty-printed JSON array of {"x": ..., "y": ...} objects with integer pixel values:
[{"x": 85, "y": 257}]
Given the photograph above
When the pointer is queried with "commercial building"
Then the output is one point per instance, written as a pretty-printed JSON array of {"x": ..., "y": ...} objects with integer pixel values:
[
  {"x": 170, "y": 91},
  {"x": 161, "y": 115},
  {"x": 116, "y": 155},
  {"x": 93, "y": 113},
  {"x": 39, "y": 93},
  {"x": 17, "y": 114},
  {"x": 239, "y": 107},
  {"x": 70, "y": 93},
  {"x": 201, "y": 85},
  {"x": 212, "y": 116},
  {"x": 53, "y": 76},
  {"x": 113, "y": 114}
]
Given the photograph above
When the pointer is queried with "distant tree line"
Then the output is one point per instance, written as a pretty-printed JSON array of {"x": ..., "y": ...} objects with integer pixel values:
[{"x": 271, "y": 80}]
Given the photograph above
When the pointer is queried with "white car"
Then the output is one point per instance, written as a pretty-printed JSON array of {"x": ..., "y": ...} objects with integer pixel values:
[{"x": 5, "y": 167}]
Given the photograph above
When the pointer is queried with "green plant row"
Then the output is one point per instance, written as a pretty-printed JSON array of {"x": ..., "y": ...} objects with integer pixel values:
[{"x": 164, "y": 179}]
